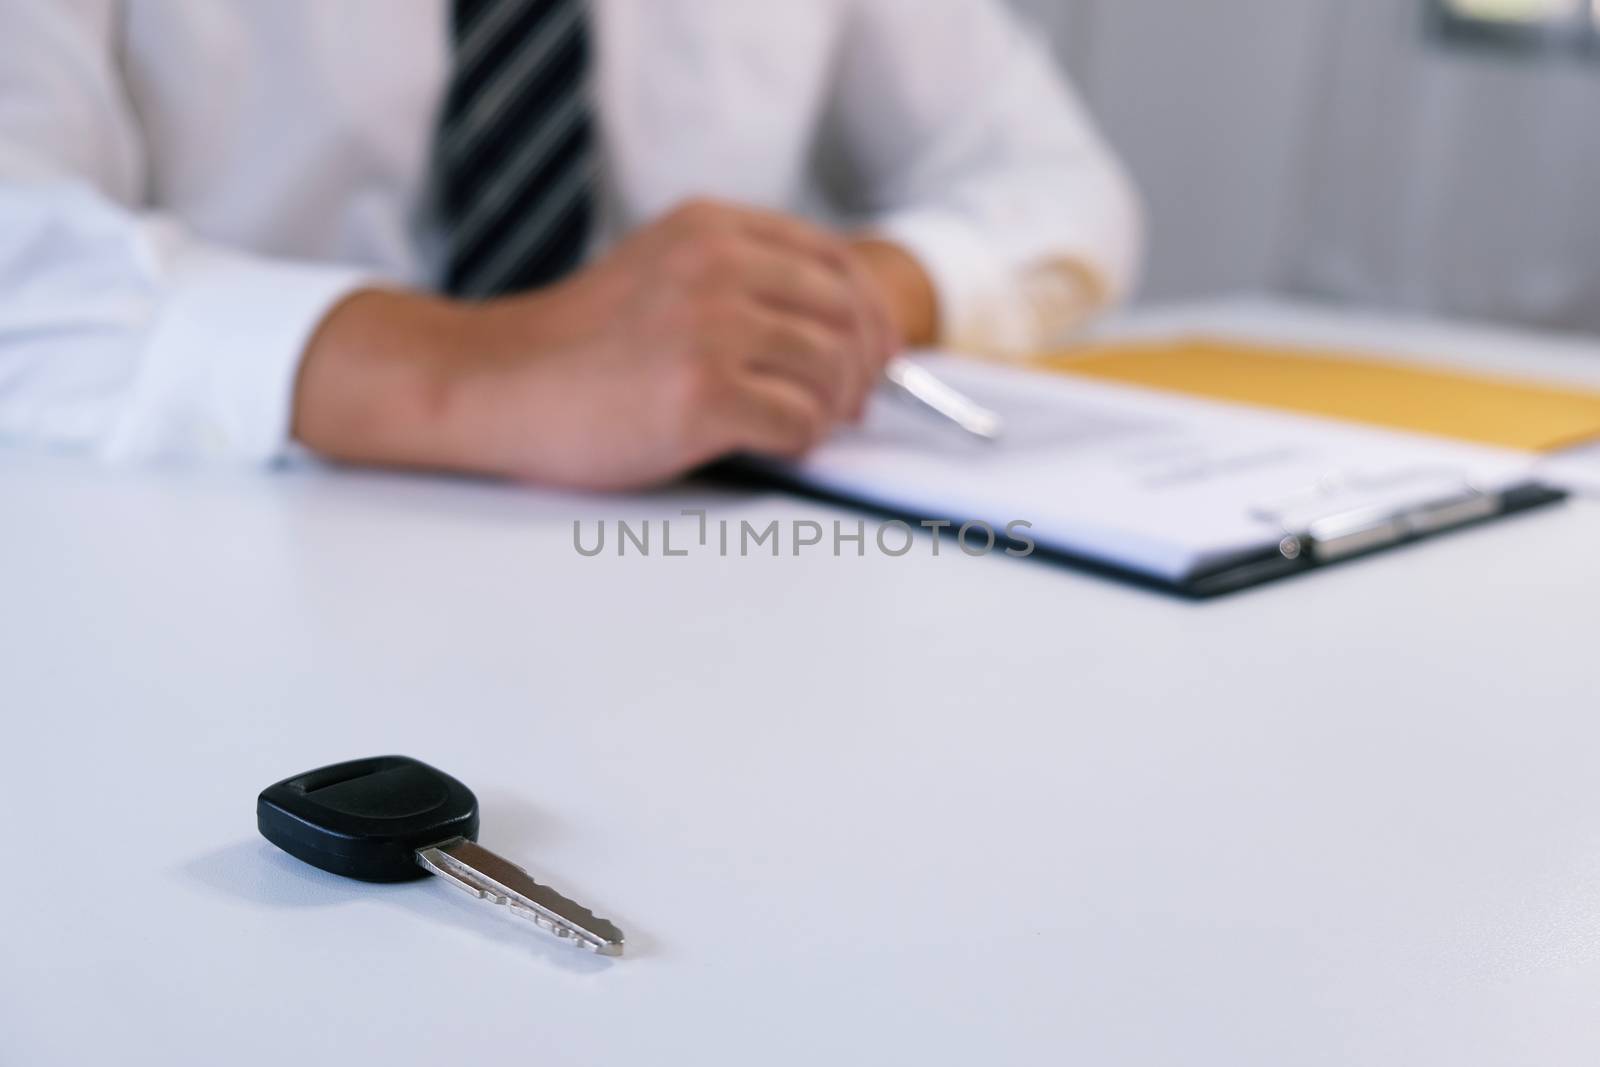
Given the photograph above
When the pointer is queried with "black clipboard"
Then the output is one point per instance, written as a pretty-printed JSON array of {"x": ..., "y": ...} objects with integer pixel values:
[{"x": 1335, "y": 539}]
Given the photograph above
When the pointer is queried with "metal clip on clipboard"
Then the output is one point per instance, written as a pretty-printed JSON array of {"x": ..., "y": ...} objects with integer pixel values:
[
  {"x": 1342, "y": 517},
  {"x": 1324, "y": 536}
]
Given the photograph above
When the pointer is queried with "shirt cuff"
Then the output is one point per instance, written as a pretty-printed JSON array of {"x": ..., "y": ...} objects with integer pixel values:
[
  {"x": 978, "y": 306},
  {"x": 217, "y": 375},
  {"x": 1006, "y": 305}
]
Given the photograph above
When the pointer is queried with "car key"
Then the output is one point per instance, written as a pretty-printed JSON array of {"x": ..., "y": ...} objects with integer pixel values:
[{"x": 392, "y": 819}]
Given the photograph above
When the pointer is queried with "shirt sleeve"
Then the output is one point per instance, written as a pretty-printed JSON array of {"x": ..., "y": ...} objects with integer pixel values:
[
  {"x": 964, "y": 144},
  {"x": 121, "y": 332}
]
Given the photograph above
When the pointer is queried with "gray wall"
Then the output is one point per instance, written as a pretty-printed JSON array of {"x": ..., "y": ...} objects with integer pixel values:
[
  {"x": 1205, "y": 101},
  {"x": 1334, "y": 148}
]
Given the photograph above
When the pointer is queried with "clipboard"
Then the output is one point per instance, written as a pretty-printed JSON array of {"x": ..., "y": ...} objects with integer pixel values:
[
  {"x": 1187, "y": 495},
  {"x": 1339, "y": 538}
]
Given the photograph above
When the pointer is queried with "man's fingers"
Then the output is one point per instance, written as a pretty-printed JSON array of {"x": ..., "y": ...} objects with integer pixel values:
[
  {"x": 802, "y": 285},
  {"x": 704, "y": 217},
  {"x": 881, "y": 339},
  {"x": 885, "y": 333},
  {"x": 800, "y": 269},
  {"x": 845, "y": 305},
  {"x": 878, "y": 339},
  {"x": 778, "y": 418},
  {"x": 808, "y": 354},
  {"x": 796, "y": 235}
]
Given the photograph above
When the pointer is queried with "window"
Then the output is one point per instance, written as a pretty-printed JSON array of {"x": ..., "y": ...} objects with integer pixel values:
[{"x": 1522, "y": 25}]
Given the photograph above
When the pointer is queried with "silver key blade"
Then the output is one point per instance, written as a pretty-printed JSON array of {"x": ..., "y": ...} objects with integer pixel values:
[
  {"x": 938, "y": 396},
  {"x": 472, "y": 867}
]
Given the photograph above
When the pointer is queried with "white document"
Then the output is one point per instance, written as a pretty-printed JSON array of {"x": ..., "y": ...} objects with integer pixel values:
[
  {"x": 1164, "y": 485},
  {"x": 1575, "y": 469}
]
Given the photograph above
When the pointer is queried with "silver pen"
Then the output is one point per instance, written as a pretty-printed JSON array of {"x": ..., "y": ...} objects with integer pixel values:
[{"x": 937, "y": 396}]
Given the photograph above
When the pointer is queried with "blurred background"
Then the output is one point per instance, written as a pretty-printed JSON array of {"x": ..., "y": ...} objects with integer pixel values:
[{"x": 1426, "y": 155}]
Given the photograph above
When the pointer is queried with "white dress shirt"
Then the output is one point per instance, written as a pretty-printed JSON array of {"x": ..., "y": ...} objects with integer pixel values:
[{"x": 188, "y": 186}]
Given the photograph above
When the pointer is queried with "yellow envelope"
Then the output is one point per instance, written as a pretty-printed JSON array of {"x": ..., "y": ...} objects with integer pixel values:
[{"x": 1446, "y": 403}]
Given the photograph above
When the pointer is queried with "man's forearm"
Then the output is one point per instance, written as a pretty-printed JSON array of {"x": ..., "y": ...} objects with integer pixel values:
[{"x": 375, "y": 385}]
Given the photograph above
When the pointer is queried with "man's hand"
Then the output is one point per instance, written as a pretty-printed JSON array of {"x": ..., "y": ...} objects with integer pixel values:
[
  {"x": 907, "y": 290},
  {"x": 716, "y": 330}
]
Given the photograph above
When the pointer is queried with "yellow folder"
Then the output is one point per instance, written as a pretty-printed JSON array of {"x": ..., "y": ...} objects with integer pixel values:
[{"x": 1446, "y": 403}]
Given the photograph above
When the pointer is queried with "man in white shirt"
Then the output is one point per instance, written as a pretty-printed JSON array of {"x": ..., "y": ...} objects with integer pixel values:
[{"x": 549, "y": 239}]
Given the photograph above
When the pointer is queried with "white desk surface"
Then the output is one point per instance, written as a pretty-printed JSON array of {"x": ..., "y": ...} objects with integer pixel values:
[{"x": 921, "y": 811}]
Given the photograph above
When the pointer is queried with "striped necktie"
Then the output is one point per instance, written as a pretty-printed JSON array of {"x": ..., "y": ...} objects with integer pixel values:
[{"x": 516, "y": 160}]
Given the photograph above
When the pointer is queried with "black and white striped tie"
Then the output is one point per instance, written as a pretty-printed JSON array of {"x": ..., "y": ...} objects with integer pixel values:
[{"x": 516, "y": 160}]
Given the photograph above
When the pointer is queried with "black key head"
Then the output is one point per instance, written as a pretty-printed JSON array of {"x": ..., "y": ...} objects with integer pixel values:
[{"x": 366, "y": 818}]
